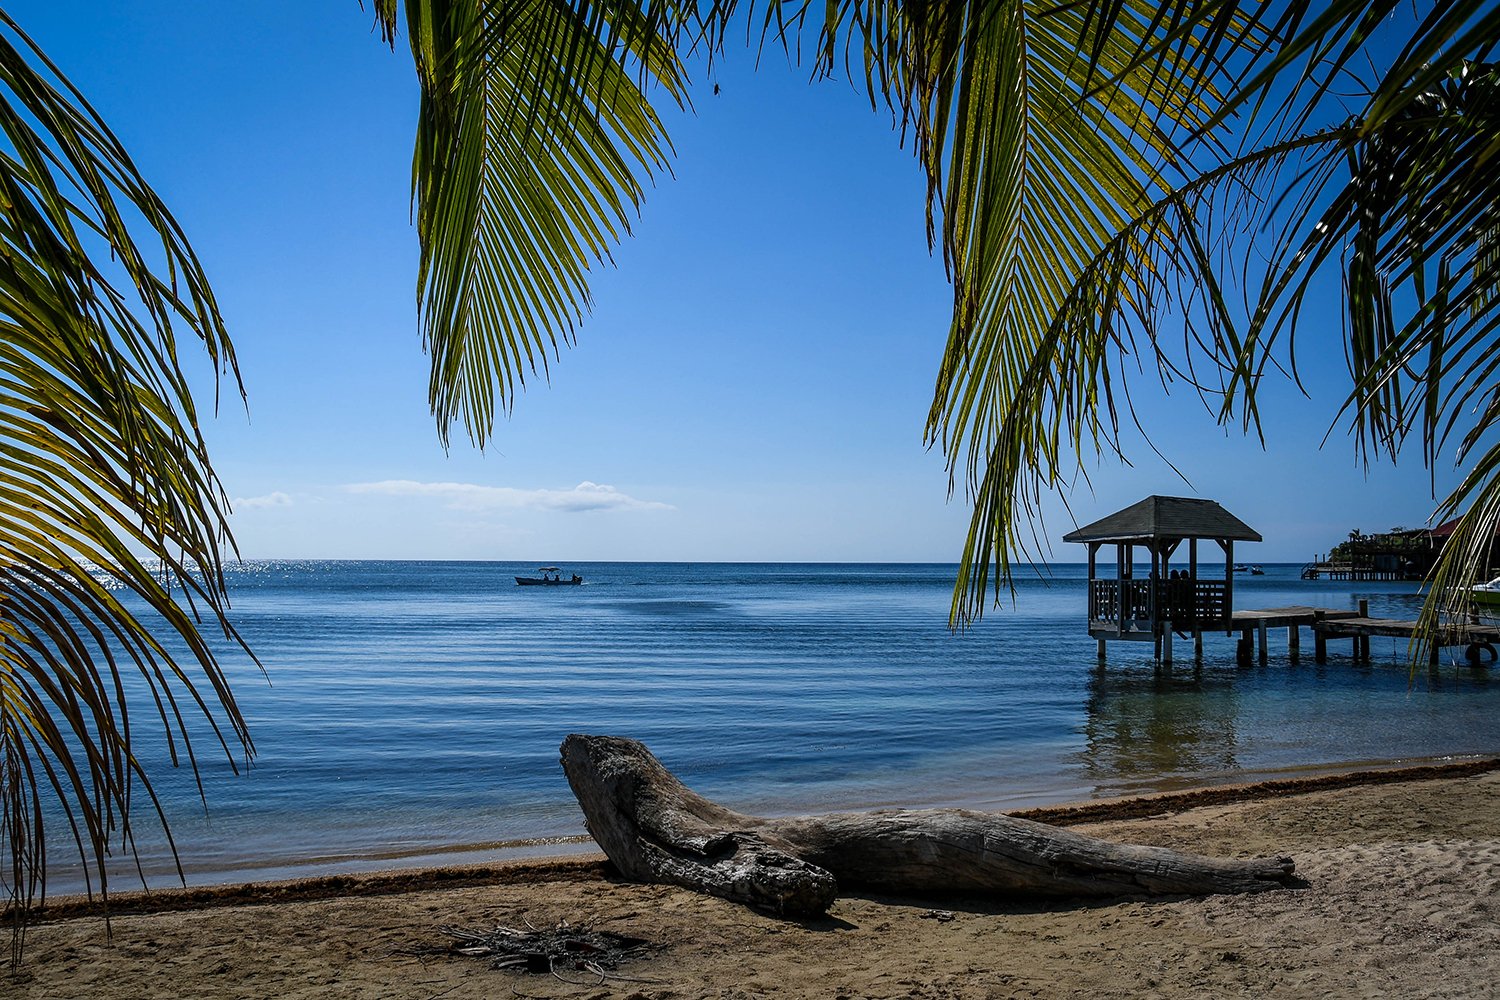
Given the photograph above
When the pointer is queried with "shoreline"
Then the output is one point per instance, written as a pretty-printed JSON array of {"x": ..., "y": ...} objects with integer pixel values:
[
  {"x": 1051, "y": 807},
  {"x": 1399, "y": 884},
  {"x": 591, "y": 864}
]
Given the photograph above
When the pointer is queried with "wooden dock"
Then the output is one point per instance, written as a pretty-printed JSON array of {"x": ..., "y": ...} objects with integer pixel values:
[
  {"x": 1357, "y": 626},
  {"x": 1347, "y": 571}
]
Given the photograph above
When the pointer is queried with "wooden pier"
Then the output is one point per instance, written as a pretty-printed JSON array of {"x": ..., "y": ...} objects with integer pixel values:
[
  {"x": 1358, "y": 574},
  {"x": 1174, "y": 600},
  {"x": 1358, "y": 627}
]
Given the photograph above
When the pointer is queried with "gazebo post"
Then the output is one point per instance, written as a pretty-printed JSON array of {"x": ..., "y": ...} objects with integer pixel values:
[
  {"x": 1154, "y": 601},
  {"x": 1228, "y": 546},
  {"x": 1192, "y": 590},
  {"x": 1093, "y": 566},
  {"x": 1120, "y": 585},
  {"x": 1152, "y": 592}
]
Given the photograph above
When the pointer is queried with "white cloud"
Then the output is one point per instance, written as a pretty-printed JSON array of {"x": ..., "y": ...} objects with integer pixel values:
[
  {"x": 275, "y": 499},
  {"x": 585, "y": 496}
]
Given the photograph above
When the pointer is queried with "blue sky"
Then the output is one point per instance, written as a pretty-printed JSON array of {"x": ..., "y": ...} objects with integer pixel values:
[{"x": 751, "y": 384}]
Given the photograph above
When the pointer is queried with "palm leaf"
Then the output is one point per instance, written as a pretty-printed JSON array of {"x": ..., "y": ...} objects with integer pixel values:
[
  {"x": 533, "y": 138},
  {"x": 1152, "y": 298},
  {"x": 1034, "y": 173},
  {"x": 1412, "y": 226},
  {"x": 105, "y": 485}
]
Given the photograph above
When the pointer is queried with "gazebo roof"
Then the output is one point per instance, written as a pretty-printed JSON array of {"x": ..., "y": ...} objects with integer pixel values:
[{"x": 1166, "y": 518}]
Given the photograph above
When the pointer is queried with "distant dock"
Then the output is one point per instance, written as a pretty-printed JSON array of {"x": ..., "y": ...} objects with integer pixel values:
[
  {"x": 1357, "y": 626},
  {"x": 1348, "y": 572}
]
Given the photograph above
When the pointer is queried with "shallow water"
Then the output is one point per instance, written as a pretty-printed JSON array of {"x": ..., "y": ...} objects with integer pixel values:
[{"x": 414, "y": 709}]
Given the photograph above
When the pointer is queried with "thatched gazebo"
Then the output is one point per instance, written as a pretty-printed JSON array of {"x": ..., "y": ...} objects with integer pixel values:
[{"x": 1170, "y": 600}]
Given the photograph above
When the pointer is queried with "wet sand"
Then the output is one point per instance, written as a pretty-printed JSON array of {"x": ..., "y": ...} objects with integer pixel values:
[{"x": 1401, "y": 898}]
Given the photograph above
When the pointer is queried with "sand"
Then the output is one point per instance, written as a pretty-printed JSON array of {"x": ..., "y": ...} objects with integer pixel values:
[{"x": 1402, "y": 894}]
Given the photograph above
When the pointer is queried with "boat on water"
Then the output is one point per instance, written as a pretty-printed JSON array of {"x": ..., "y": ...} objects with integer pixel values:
[
  {"x": 1486, "y": 593},
  {"x": 1242, "y": 567},
  {"x": 551, "y": 577},
  {"x": 1257, "y": 571}
]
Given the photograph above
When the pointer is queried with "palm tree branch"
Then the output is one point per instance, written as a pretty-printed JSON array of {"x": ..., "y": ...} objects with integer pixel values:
[{"x": 103, "y": 469}]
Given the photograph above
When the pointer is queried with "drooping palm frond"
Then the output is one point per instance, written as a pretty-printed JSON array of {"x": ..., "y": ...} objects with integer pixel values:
[
  {"x": 1296, "y": 54},
  {"x": 1033, "y": 172},
  {"x": 533, "y": 140},
  {"x": 1155, "y": 298},
  {"x": 112, "y": 522},
  {"x": 1420, "y": 223},
  {"x": 1405, "y": 212},
  {"x": 1420, "y": 215},
  {"x": 1413, "y": 228}
]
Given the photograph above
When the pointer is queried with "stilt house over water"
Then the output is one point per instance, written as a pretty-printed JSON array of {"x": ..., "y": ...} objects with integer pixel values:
[{"x": 1170, "y": 599}]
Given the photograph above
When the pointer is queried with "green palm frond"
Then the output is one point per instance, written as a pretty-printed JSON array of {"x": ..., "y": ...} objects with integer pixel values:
[
  {"x": 1406, "y": 212},
  {"x": 1420, "y": 217},
  {"x": 1153, "y": 297},
  {"x": 1297, "y": 53},
  {"x": 1476, "y": 505},
  {"x": 533, "y": 140},
  {"x": 1421, "y": 214},
  {"x": 112, "y": 522},
  {"x": 1411, "y": 224},
  {"x": 1033, "y": 173}
]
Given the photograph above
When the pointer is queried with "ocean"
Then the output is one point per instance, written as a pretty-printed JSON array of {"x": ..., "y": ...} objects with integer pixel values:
[{"x": 410, "y": 712}]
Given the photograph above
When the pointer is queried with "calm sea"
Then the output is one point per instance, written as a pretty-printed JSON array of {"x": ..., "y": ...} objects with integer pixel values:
[{"x": 412, "y": 710}]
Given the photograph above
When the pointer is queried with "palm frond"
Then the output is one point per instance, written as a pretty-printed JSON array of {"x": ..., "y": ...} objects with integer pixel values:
[
  {"x": 1295, "y": 53},
  {"x": 1475, "y": 503},
  {"x": 105, "y": 485},
  {"x": 1413, "y": 228},
  {"x": 1153, "y": 297},
  {"x": 533, "y": 140},
  {"x": 1032, "y": 174},
  {"x": 1419, "y": 217}
]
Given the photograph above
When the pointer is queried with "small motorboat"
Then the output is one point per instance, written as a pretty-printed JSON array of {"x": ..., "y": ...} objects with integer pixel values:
[
  {"x": 1257, "y": 571},
  {"x": 1242, "y": 567},
  {"x": 1486, "y": 593},
  {"x": 551, "y": 577}
]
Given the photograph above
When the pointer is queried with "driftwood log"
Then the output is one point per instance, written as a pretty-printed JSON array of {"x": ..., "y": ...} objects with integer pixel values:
[{"x": 655, "y": 829}]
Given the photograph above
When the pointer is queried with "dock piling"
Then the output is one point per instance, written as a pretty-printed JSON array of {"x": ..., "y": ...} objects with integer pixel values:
[
  {"x": 1250, "y": 630},
  {"x": 1362, "y": 642}
]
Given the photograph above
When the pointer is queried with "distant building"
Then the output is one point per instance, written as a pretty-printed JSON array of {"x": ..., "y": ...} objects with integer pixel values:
[{"x": 1398, "y": 554}]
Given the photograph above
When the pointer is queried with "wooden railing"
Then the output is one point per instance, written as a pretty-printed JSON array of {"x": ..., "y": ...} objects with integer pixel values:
[{"x": 1182, "y": 603}]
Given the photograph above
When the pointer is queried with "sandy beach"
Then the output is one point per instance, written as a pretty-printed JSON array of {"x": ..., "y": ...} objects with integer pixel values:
[{"x": 1402, "y": 888}]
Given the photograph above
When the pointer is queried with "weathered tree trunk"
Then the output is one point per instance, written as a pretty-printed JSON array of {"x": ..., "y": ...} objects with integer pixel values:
[{"x": 655, "y": 829}]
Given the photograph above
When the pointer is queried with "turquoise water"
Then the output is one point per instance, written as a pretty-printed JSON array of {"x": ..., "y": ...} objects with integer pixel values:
[{"x": 414, "y": 709}]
